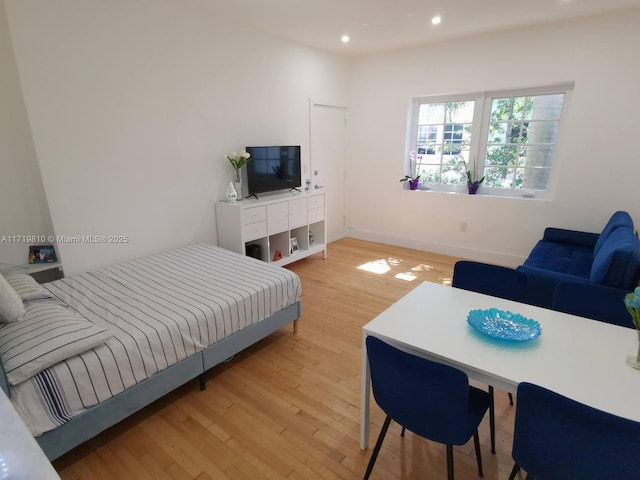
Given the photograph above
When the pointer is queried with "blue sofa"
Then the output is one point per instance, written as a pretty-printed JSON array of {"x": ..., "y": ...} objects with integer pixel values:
[
  {"x": 609, "y": 259},
  {"x": 581, "y": 273}
]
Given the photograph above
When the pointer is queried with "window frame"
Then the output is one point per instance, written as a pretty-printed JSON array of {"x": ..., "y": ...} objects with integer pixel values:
[{"x": 480, "y": 132}]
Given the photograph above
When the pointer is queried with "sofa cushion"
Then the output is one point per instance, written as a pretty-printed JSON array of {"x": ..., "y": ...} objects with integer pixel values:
[
  {"x": 617, "y": 263},
  {"x": 618, "y": 219},
  {"x": 567, "y": 258}
]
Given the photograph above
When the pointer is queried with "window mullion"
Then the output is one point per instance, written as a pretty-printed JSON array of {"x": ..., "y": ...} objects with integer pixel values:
[{"x": 413, "y": 138}]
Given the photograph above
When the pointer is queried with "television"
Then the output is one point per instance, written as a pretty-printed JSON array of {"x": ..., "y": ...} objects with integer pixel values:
[{"x": 273, "y": 168}]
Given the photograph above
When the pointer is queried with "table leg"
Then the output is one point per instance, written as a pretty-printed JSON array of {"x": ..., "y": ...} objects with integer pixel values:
[
  {"x": 364, "y": 396},
  {"x": 492, "y": 420}
]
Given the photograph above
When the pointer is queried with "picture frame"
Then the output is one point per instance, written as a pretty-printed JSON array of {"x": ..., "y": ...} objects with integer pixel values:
[
  {"x": 293, "y": 245},
  {"x": 42, "y": 254}
]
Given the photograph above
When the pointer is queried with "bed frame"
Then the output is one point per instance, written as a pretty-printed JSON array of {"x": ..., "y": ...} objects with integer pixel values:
[{"x": 98, "y": 418}]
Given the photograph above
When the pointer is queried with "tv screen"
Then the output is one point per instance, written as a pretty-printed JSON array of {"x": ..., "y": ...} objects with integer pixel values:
[{"x": 273, "y": 168}]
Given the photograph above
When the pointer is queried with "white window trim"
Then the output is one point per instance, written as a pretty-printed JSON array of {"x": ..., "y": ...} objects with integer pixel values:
[{"x": 481, "y": 114}]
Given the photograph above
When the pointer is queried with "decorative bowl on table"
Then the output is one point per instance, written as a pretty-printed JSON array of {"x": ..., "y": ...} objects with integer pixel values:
[{"x": 504, "y": 325}]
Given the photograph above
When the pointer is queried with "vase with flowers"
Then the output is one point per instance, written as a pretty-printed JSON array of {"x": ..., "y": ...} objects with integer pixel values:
[
  {"x": 632, "y": 302},
  {"x": 413, "y": 179},
  {"x": 237, "y": 161},
  {"x": 472, "y": 184}
]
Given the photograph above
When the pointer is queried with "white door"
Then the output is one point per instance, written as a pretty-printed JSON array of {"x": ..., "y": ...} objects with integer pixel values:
[{"x": 328, "y": 143}]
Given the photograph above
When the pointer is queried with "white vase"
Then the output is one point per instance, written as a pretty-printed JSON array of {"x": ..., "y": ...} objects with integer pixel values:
[
  {"x": 633, "y": 359},
  {"x": 232, "y": 195},
  {"x": 237, "y": 184}
]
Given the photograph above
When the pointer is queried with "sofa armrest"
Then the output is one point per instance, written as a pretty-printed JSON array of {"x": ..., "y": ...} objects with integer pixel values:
[
  {"x": 560, "y": 235},
  {"x": 592, "y": 301}
]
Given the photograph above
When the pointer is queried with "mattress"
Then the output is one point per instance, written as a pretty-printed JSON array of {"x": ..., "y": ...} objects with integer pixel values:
[{"x": 161, "y": 309}]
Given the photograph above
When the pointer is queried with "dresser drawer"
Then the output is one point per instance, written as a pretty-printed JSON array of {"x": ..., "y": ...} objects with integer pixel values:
[
  {"x": 316, "y": 214},
  {"x": 316, "y": 201},
  {"x": 253, "y": 231},
  {"x": 253, "y": 215}
]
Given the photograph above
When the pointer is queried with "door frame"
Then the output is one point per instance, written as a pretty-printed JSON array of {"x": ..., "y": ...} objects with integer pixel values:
[{"x": 314, "y": 102}]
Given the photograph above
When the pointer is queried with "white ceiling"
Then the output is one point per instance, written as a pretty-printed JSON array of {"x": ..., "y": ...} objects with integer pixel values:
[{"x": 379, "y": 25}]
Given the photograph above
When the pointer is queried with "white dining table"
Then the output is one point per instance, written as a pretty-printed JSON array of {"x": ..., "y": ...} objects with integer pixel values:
[
  {"x": 21, "y": 458},
  {"x": 577, "y": 357}
]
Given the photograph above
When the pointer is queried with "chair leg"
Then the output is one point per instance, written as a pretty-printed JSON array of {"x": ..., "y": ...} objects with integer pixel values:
[
  {"x": 402, "y": 432},
  {"x": 492, "y": 420},
  {"x": 449, "y": 462},
  {"x": 510, "y": 399},
  {"x": 476, "y": 445},
  {"x": 514, "y": 471},
  {"x": 376, "y": 450}
]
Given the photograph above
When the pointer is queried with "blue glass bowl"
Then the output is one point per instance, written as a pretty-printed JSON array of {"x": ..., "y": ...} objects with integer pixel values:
[{"x": 504, "y": 325}]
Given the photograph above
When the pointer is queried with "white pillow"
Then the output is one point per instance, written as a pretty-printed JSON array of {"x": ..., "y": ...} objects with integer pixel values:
[
  {"x": 27, "y": 288},
  {"x": 48, "y": 334},
  {"x": 11, "y": 307}
]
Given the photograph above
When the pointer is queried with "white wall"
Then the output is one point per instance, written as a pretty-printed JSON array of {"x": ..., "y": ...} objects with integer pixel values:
[
  {"x": 598, "y": 159},
  {"x": 132, "y": 105},
  {"x": 23, "y": 206}
]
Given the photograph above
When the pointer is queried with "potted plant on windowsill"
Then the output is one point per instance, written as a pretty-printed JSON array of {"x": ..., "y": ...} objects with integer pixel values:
[
  {"x": 472, "y": 184},
  {"x": 413, "y": 181}
]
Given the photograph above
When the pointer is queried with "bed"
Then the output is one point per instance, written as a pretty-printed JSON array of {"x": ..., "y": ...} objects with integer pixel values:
[{"x": 132, "y": 333}]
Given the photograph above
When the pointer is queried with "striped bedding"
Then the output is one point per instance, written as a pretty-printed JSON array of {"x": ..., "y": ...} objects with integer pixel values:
[{"x": 161, "y": 309}]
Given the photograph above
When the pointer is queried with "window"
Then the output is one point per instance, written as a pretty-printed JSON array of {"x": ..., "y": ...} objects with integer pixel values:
[
  {"x": 443, "y": 141},
  {"x": 509, "y": 138}
]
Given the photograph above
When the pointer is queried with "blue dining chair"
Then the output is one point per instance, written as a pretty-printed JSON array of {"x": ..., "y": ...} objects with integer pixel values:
[
  {"x": 556, "y": 438},
  {"x": 432, "y": 400},
  {"x": 605, "y": 304},
  {"x": 497, "y": 281},
  {"x": 490, "y": 279}
]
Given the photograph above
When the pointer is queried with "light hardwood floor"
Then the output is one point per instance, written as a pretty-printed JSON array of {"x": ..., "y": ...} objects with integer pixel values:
[{"x": 289, "y": 406}]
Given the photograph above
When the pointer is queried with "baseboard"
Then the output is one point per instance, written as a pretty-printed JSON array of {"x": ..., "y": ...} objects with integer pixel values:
[{"x": 477, "y": 255}]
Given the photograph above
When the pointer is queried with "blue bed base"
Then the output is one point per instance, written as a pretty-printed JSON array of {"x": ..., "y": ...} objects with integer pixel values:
[{"x": 98, "y": 418}]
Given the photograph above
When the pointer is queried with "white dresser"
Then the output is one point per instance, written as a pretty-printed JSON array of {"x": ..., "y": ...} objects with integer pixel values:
[{"x": 269, "y": 228}]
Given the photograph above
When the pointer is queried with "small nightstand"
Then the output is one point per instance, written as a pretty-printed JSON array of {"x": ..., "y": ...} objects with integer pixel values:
[{"x": 42, "y": 272}]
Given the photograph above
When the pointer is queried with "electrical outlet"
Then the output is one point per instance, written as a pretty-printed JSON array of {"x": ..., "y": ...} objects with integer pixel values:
[{"x": 463, "y": 226}]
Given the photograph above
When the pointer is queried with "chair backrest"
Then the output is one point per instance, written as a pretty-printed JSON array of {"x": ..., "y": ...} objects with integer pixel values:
[
  {"x": 598, "y": 302},
  {"x": 428, "y": 398},
  {"x": 489, "y": 279},
  {"x": 558, "y": 438}
]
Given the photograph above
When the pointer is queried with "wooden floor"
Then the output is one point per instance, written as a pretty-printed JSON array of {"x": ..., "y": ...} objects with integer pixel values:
[{"x": 289, "y": 406}]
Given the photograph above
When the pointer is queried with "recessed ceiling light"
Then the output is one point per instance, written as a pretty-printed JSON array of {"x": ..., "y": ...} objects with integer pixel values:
[
  {"x": 436, "y": 20},
  {"x": 345, "y": 38}
]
